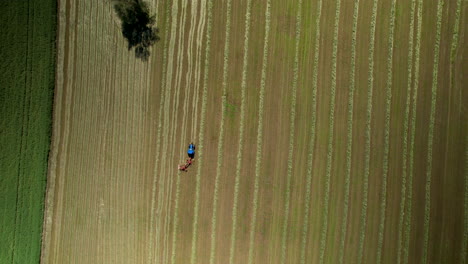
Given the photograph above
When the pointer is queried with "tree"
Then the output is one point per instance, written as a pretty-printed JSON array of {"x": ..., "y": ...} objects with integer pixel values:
[{"x": 137, "y": 26}]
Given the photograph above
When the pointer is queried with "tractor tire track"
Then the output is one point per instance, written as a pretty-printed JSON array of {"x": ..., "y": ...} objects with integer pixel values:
[
  {"x": 241, "y": 130},
  {"x": 291, "y": 131},
  {"x": 427, "y": 205},
  {"x": 349, "y": 140},
  {"x": 310, "y": 154},
  {"x": 370, "y": 83},
  {"x": 259, "y": 133},
  {"x": 405, "y": 133},
  {"x": 193, "y": 255},
  {"x": 221, "y": 133}
]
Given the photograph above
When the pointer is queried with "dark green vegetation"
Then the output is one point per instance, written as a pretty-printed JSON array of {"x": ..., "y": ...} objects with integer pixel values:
[
  {"x": 137, "y": 26},
  {"x": 27, "y": 59}
]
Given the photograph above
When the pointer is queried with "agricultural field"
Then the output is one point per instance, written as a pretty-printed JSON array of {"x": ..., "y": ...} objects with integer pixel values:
[
  {"x": 326, "y": 132},
  {"x": 27, "y": 72}
]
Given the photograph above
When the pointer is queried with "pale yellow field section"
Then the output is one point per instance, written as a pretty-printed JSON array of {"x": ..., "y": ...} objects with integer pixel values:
[{"x": 101, "y": 204}]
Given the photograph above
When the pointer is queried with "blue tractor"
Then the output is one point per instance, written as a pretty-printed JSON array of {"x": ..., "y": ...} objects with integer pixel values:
[{"x": 191, "y": 150}]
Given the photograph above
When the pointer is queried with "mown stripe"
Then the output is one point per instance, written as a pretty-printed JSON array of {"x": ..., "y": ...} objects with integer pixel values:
[
  {"x": 427, "y": 206},
  {"x": 324, "y": 231},
  {"x": 253, "y": 221},
  {"x": 370, "y": 85},
  {"x": 310, "y": 154},
  {"x": 158, "y": 134},
  {"x": 221, "y": 133},
  {"x": 388, "y": 104},
  {"x": 241, "y": 131},
  {"x": 405, "y": 134},
  {"x": 193, "y": 256},
  {"x": 291, "y": 131},
  {"x": 464, "y": 249},
  {"x": 352, "y": 84},
  {"x": 413, "y": 132}
]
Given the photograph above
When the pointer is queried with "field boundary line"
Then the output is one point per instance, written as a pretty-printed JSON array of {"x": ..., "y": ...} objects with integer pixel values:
[
  {"x": 331, "y": 118},
  {"x": 259, "y": 133},
  {"x": 349, "y": 140},
  {"x": 291, "y": 130},
  {"x": 49, "y": 204},
  {"x": 201, "y": 134},
  {"x": 221, "y": 134},
  {"x": 427, "y": 206},
  {"x": 405, "y": 133},
  {"x": 312, "y": 135},
  {"x": 159, "y": 128},
  {"x": 463, "y": 251},
  {"x": 370, "y": 83},
  {"x": 413, "y": 132},
  {"x": 241, "y": 130}
]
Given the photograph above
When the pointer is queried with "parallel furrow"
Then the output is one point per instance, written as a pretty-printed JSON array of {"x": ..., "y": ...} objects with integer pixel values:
[
  {"x": 259, "y": 133},
  {"x": 349, "y": 140},
  {"x": 413, "y": 132},
  {"x": 388, "y": 104},
  {"x": 370, "y": 83},
  {"x": 221, "y": 133},
  {"x": 241, "y": 131},
  {"x": 310, "y": 153},
  {"x": 405, "y": 134},
  {"x": 324, "y": 231},
  {"x": 463, "y": 251},
  {"x": 427, "y": 204},
  {"x": 291, "y": 131},
  {"x": 158, "y": 134},
  {"x": 193, "y": 255}
]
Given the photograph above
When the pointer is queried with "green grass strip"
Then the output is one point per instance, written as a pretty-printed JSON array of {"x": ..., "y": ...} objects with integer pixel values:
[
  {"x": 352, "y": 84},
  {"x": 323, "y": 234},
  {"x": 221, "y": 133},
  {"x": 388, "y": 104},
  {"x": 413, "y": 132},
  {"x": 193, "y": 256},
  {"x": 405, "y": 133},
  {"x": 370, "y": 84},
  {"x": 427, "y": 206},
  {"x": 291, "y": 132},
  {"x": 258, "y": 157},
  {"x": 158, "y": 134},
  {"x": 241, "y": 130},
  {"x": 310, "y": 154}
]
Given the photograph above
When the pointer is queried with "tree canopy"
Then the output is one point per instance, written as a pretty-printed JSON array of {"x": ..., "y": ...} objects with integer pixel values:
[{"x": 137, "y": 26}]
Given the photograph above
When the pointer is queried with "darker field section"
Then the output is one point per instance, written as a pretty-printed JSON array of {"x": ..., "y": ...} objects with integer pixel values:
[{"x": 27, "y": 67}]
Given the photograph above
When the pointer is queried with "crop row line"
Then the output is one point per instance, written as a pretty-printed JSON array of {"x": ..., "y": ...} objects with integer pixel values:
[
  {"x": 349, "y": 139},
  {"x": 193, "y": 255},
  {"x": 241, "y": 131},
  {"x": 388, "y": 103},
  {"x": 427, "y": 207},
  {"x": 200, "y": 29},
  {"x": 310, "y": 154},
  {"x": 162, "y": 201},
  {"x": 221, "y": 133},
  {"x": 253, "y": 221},
  {"x": 323, "y": 233},
  {"x": 291, "y": 131},
  {"x": 405, "y": 132},
  {"x": 370, "y": 83},
  {"x": 413, "y": 132}
]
